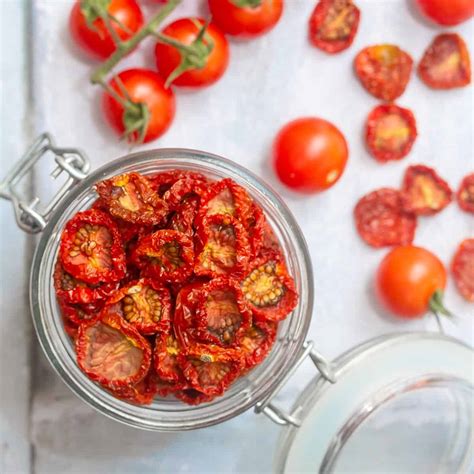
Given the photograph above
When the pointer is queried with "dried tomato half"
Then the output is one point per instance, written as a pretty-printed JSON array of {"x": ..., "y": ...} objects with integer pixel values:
[
  {"x": 165, "y": 360},
  {"x": 183, "y": 218},
  {"x": 333, "y": 25},
  {"x": 166, "y": 255},
  {"x": 163, "y": 181},
  {"x": 384, "y": 70},
  {"x": 72, "y": 290},
  {"x": 257, "y": 342},
  {"x": 182, "y": 190},
  {"x": 381, "y": 220},
  {"x": 465, "y": 195},
  {"x": 463, "y": 269},
  {"x": 112, "y": 352},
  {"x": 268, "y": 289},
  {"x": 222, "y": 315},
  {"x": 227, "y": 197},
  {"x": 144, "y": 303},
  {"x": 446, "y": 63},
  {"x": 210, "y": 369},
  {"x": 80, "y": 313},
  {"x": 225, "y": 246},
  {"x": 142, "y": 393},
  {"x": 91, "y": 249},
  {"x": 424, "y": 192},
  {"x": 131, "y": 197},
  {"x": 390, "y": 132},
  {"x": 193, "y": 397}
]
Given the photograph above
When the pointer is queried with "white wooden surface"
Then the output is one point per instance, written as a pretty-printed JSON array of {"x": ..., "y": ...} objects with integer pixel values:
[{"x": 269, "y": 81}]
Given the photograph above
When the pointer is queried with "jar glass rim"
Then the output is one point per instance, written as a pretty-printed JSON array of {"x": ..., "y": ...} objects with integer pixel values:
[{"x": 169, "y": 416}]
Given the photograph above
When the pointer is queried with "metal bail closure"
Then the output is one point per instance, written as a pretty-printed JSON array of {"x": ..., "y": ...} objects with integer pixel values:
[
  {"x": 277, "y": 415},
  {"x": 69, "y": 160}
]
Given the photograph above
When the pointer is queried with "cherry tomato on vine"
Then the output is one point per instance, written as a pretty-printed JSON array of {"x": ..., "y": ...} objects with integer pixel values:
[
  {"x": 90, "y": 31},
  {"x": 447, "y": 12},
  {"x": 410, "y": 281},
  {"x": 208, "y": 60},
  {"x": 246, "y": 18},
  {"x": 150, "y": 110},
  {"x": 309, "y": 154}
]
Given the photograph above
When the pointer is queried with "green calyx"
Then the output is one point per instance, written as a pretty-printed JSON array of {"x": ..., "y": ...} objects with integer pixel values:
[
  {"x": 193, "y": 56},
  {"x": 136, "y": 117},
  {"x": 436, "y": 304},
  {"x": 247, "y": 3},
  {"x": 94, "y": 9}
]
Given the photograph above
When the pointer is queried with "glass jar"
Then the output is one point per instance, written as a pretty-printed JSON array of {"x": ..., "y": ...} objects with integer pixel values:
[{"x": 397, "y": 403}]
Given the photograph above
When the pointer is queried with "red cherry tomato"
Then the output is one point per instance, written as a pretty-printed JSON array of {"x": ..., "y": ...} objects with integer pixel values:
[
  {"x": 409, "y": 280},
  {"x": 145, "y": 87},
  {"x": 97, "y": 40},
  {"x": 246, "y": 18},
  {"x": 309, "y": 154},
  {"x": 447, "y": 12},
  {"x": 185, "y": 30}
]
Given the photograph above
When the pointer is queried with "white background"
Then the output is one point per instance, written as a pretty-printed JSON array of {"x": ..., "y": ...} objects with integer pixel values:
[{"x": 270, "y": 81}]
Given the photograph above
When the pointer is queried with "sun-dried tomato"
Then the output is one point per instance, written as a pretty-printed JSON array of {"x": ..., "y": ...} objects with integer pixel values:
[
  {"x": 333, "y": 25},
  {"x": 161, "y": 182},
  {"x": 463, "y": 269},
  {"x": 77, "y": 314},
  {"x": 222, "y": 315},
  {"x": 144, "y": 303},
  {"x": 227, "y": 197},
  {"x": 166, "y": 255},
  {"x": 268, "y": 289},
  {"x": 142, "y": 393},
  {"x": 381, "y": 220},
  {"x": 91, "y": 249},
  {"x": 183, "y": 218},
  {"x": 165, "y": 360},
  {"x": 424, "y": 192},
  {"x": 390, "y": 132},
  {"x": 224, "y": 246},
  {"x": 182, "y": 190},
  {"x": 384, "y": 70},
  {"x": 465, "y": 194},
  {"x": 72, "y": 290},
  {"x": 257, "y": 342},
  {"x": 112, "y": 352},
  {"x": 193, "y": 397},
  {"x": 446, "y": 63},
  {"x": 210, "y": 369},
  {"x": 131, "y": 197}
]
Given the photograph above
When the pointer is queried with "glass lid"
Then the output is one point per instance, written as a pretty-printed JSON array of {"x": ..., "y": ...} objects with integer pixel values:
[{"x": 402, "y": 403}]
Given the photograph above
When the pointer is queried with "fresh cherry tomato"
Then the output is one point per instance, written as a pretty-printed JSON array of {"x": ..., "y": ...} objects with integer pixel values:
[
  {"x": 146, "y": 89},
  {"x": 447, "y": 12},
  {"x": 424, "y": 192},
  {"x": 90, "y": 31},
  {"x": 390, "y": 132},
  {"x": 463, "y": 269},
  {"x": 410, "y": 281},
  {"x": 446, "y": 63},
  {"x": 465, "y": 194},
  {"x": 309, "y": 154},
  {"x": 333, "y": 25},
  {"x": 384, "y": 70},
  {"x": 185, "y": 31},
  {"x": 246, "y": 18}
]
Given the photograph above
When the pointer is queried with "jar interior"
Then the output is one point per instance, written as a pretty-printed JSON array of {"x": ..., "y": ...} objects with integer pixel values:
[
  {"x": 421, "y": 427},
  {"x": 169, "y": 413}
]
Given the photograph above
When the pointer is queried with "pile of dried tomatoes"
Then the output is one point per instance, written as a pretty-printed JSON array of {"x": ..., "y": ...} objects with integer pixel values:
[{"x": 171, "y": 284}]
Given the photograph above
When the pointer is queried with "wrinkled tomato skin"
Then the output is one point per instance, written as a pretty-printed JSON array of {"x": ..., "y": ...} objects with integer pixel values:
[
  {"x": 257, "y": 342},
  {"x": 462, "y": 268},
  {"x": 434, "y": 200},
  {"x": 384, "y": 70},
  {"x": 185, "y": 31},
  {"x": 132, "y": 335},
  {"x": 439, "y": 54},
  {"x": 98, "y": 41},
  {"x": 269, "y": 267},
  {"x": 86, "y": 272},
  {"x": 163, "y": 181},
  {"x": 447, "y": 12},
  {"x": 406, "y": 280},
  {"x": 165, "y": 360},
  {"x": 143, "y": 86},
  {"x": 183, "y": 190},
  {"x": 192, "y": 396},
  {"x": 245, "y": 22},
  {"x": 142, "y": 393},
  {"x": 465, "y": 194},
  {"x": 309, "y": 155},
  {"x": 156, "y": 242},
  {"x": 379, "y": 148},
  {"x": 76, "y": 314},
  {"x": 381, "y": 221},
  {"x": 317, "y": 21}
]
